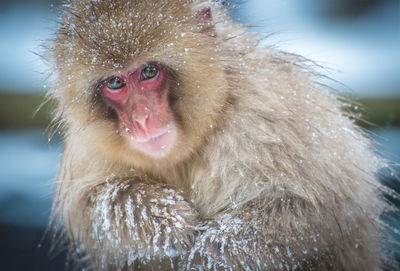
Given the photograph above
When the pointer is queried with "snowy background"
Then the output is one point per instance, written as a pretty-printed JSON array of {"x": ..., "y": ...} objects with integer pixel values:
[{"x": 357, "y": 40}]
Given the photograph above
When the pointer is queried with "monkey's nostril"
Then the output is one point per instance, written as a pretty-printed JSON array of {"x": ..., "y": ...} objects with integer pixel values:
[{"x": 142, "y": 120}]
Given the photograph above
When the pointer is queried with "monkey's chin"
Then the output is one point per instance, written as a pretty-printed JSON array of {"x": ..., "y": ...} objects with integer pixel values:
[{"x": 156, "y": 146}]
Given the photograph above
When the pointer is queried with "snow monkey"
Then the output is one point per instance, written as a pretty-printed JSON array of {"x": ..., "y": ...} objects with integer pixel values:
[{"x": 189, "y": 146}]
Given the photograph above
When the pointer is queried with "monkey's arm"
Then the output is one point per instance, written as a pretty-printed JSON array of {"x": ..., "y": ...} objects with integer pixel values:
[
  {"x": 135, "y": 222},
  {"x": 283, "y": 233}
]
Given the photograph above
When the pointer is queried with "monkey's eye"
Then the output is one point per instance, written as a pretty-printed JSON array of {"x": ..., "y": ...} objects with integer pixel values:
[
  {"x": 115, "y": 82},
  {"x": 149, "y": 72}
]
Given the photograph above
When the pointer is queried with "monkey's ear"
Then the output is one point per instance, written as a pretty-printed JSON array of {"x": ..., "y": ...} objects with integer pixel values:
[
  {"x": 205, "y": 15},
  {"x": 206, "y": 23}
]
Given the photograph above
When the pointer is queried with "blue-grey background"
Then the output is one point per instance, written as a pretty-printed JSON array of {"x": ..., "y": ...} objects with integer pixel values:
[{"x": 358, "y": 41}]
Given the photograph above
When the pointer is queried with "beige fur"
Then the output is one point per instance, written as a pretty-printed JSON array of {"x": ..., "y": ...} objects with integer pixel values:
[{"x": 267, "y": 174}]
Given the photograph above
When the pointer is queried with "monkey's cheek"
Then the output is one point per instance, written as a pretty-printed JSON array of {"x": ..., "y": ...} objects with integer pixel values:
[{"x": 156, "y": 147}]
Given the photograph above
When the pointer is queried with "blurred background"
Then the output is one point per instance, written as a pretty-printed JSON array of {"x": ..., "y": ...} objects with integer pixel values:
[{"x": 358, "y": 41}]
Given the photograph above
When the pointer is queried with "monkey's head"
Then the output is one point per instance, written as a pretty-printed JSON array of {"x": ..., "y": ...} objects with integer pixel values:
[{"x": 144, "y": 78}]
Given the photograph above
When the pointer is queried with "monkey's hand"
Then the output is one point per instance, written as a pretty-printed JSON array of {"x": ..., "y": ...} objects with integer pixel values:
[
  {"x": 259, "y": 235},
  {"x": 140, "y": 222}
]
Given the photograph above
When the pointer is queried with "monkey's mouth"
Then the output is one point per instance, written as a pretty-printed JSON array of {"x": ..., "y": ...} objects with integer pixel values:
[{"x": 154, "y": 145}]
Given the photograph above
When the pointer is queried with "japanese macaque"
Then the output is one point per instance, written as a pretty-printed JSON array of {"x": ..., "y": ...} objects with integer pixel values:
[{"x": 188, "y": 146}]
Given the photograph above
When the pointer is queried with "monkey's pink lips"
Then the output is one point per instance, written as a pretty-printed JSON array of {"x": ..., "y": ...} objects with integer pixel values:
[{"x": 156, "y": 146}]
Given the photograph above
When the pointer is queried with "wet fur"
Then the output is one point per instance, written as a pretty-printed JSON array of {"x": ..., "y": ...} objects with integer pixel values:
[{"x": 268, "y": 172}]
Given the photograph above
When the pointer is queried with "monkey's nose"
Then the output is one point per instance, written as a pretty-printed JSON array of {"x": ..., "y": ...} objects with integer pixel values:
[{"x": 140, "y": 123}]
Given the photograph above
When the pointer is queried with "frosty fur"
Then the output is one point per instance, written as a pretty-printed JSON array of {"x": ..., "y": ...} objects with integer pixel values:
[{"x": 267, "y": 174}]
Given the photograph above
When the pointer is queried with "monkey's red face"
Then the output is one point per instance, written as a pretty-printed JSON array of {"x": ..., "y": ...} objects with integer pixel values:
[{"x": 139, "y": 95}]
